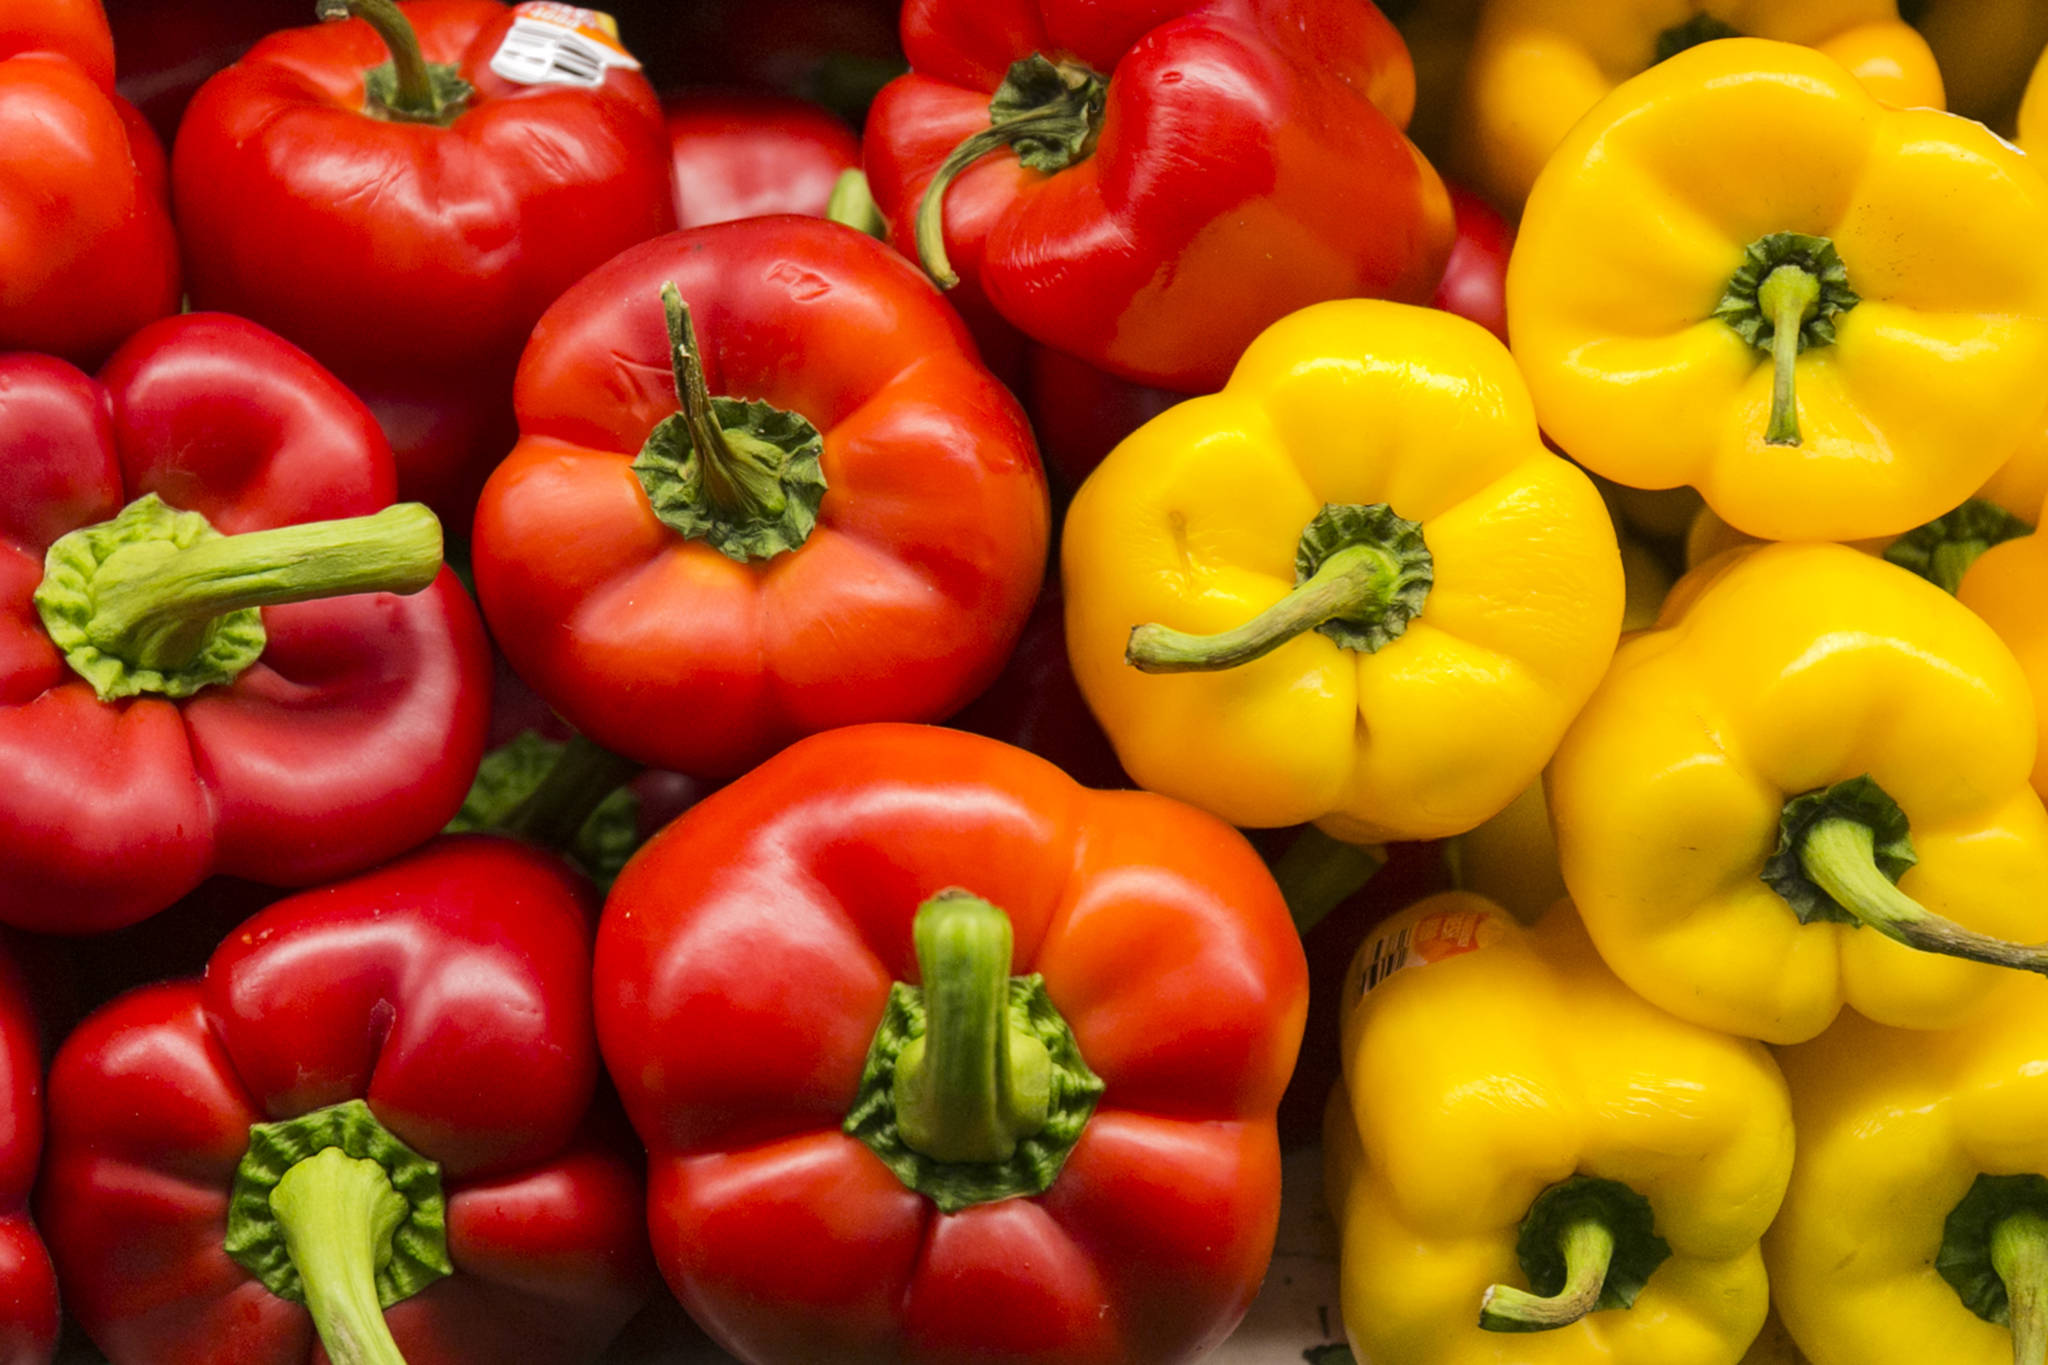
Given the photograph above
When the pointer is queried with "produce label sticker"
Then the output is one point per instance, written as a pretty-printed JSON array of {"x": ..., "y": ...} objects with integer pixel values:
[
  {"x": 1437, "y": 935},
  {"x": 554, "y": 44}
]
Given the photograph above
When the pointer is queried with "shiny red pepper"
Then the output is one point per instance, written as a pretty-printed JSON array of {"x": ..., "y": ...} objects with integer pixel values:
[
  {"x": 747, "y": 156},
  {"x": 86, "y": 249},
  {"x": 409, "y": 236},
  {"x": 28, "y": 1282},
  {"x": 179, "y": 696},
  {"x": 1475, "y": 279},
  {"x": 1145, "y": 185},
  {"x": 418, "y": 1040},
  {"x": 940, "y": 1057},
  {"x": 864, "y": 543}
]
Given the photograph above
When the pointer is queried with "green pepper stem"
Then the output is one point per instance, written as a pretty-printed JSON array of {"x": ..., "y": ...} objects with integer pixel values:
[
  {"x": 337, "y": 1213},
  {"x": 970, "y": 1087},
  {"x": 853, "y": 204},
  {"x": 1588, "y": 1250},
  {"x": 1788, "y": 296},
  {"x": 2019, "y": 1253},
  {"x": 577, "y": 783},
  {"x": 153, "y": 604},
  {"x": 1354, "y": 583},
  {"x": 1319, "y": 872},
  {"x": 1839, "y": 855},
  {"x": 740, "y": 477},
  {"x": 414, "y": 98},
  {"x": 931, "y": 231}
]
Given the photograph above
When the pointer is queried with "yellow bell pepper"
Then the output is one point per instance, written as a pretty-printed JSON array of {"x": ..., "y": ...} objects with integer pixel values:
[
  {"x": 1985, "y": 49},
  {"x": 2008, "y": 586},
  {"x": 1520, "y": 1144},
  {"x": 1538, "y": 65},
  {"x": 1915, "y": 1231},
  {"x": 1363, "y": 592},
  {"x": 1811, "y": 741},
  {"x": 1742, "y": 272},
  {"x": 2032, "y": 134}
]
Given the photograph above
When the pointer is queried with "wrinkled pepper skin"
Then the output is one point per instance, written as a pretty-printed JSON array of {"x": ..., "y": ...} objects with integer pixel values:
[
  {"x": 743, "y": 963},
  {"x": 1894, "y": 1130},
  {"x": 747, "y": 156},
  {"x": 353, "y": 736},
  {"x": 1773, "y": 673},
  {"x": 1484, "y": 1062},
  {"x": 1196, "y": 520},
  {"x": 929, "y": 544},
  {"x": 1537, "y": 66},
  {"x": 451, "y": 990},
  {"x": 1250, "y": 163},
  {"x": 28, "y": 1282},
  {"x": 86, "y": 246},
  {"x": 1917, "y": 369},
  {"x": 409, "y": 258}
]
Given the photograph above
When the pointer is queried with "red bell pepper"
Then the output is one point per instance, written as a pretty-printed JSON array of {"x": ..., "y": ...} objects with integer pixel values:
[
  {"x": 155, "y": 725},
  {"x": 379, "y": 1093},
  {"x": 862, "y": 542},
  {"x": 1148, "y": 185},
  {"x": 888, "y": 1119},
  {"x": 28, "y": 1283},
  {"x": 1475, "y": 279},
  {"x": 747, "y": 156},
  {"x": 408, "y": 230},
  {"x": 86, "y": 248}
]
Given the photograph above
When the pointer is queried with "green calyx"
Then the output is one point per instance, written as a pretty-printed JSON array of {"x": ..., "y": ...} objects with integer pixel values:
[
  {"x": 1361, "y": 574},
  {"x": 1586, "y": 1245},
  {"x": 568, "y": 797},
  {"x": 407, "y": 88},
  {"x": 1994, "y": 1254},
  {"x": 1943, "y": 550},
  {"x": 1701, "y": 28},
  {"x": 1049, "y": 113},
  {"x": 157, "y": 602},
  {"x": 331, "y": 1210},
  {"x": 744, "y": 477},
  {"x": 1841, "y": 851},
  {"x": 974, "y": 1088},
  {"x": 1783, "y": 300}
]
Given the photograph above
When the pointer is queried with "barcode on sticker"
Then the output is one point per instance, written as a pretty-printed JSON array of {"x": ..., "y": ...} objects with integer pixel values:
[
  {"x": 551, "y": 44},
  {"x": 1432, "y": 938},
  {"x": 1389, "y": 955}
]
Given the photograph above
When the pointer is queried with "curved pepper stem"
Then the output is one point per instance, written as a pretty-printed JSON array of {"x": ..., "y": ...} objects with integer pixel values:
[
  {"x": 2019, "y": 1253},
  {"x": 1588, "y": 1246},
  {"x": 1788, "y": 297},
  {"x": 970, "y": 1088},
  {"x": 1051, "y": 113},
  {"x": 1784, "y": 298},
  {"x": 338, "y": 1214},
  {"x": 408, "y": 88},
  {"x": 1840, "y": 856}
]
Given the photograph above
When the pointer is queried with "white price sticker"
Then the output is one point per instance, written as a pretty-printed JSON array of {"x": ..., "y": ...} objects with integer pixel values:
[{"x": 553, "y": 44}]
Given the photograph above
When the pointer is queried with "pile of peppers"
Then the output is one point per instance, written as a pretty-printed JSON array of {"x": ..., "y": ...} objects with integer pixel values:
[{"x": 799, "y": 682}]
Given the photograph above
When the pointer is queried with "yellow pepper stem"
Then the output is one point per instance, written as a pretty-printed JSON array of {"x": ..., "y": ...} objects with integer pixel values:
[
  {"x": 1839, "y": 855},
  {"x": 1355, "y": 582},
  {"x": 2019, "y": 1253},
  {"x": 1788, "y": 296},
  {"x": 1588, "y": 1251}
]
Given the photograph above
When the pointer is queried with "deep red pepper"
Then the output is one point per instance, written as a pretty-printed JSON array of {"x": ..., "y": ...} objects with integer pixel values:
[
  {"x": 86, "y": 248},
  {"x": 350, "y": 733},
  {"x": 1475, "y": 279},
  {"x": 1153, "y": 183},
  {"x": 412, "y": 254},
  {"x": 451, "y": 991},
  {"x": 754, "y": 608},
  {"x": 751, "y": 974},
  {"x": 28, "y": 1282},
  {"x": 747, "y": 156}
]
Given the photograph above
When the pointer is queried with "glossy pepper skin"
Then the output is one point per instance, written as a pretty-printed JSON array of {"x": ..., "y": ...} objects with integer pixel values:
[
  {"x": 1774, "y": 674},
  {"x": 1896, "y": 1132},
  {"x": 748, "y": 156},
  {"x": 738, "y": 992},
  {"x": 1646, "y": 256},
  {"x": 1475, "y": 279},
  {"x": 2004, "y": 587},
  {"x": 1486, "y": 1063},
  {"x": 28, "y": 1282},
  {"x": 351, "y": 738},
  {"x": 1496, "y": 632},
  {"x": 449, "y": 989},
  {"x": 86, "y": 246},
  {"x": 900, "y": 603},
  {"x": 1247, "y": 161},
  {"x": 1537, "y": 66},
  {"x": 411, "y": 258}
]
